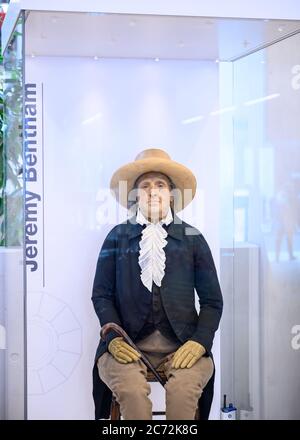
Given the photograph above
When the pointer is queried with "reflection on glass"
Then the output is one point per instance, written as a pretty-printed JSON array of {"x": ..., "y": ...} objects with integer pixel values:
[
  {"x": 262, "y": 355},
  {"x": 12, "y": 378},
  {"x": 13, "y": 233},
  {"x": 285, "y": 210}
]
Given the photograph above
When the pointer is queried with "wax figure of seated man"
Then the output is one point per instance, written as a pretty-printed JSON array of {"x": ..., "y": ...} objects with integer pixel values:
[{"x": 146, "y": 274}]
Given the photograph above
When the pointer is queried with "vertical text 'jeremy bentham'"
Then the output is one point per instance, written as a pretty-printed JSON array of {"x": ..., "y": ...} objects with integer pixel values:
[{"x": 31, "y": 175}]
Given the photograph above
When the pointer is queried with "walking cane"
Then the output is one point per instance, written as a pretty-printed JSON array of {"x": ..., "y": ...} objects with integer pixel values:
[{"x": 112, "y": 326}]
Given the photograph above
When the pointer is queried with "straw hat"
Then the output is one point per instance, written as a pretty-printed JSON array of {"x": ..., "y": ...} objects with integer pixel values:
[{"x": 154, "y": 159}]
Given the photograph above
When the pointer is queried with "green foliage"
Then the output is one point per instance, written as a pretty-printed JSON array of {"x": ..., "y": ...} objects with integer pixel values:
[
  {"x": 1, "y": 157},
  {"x": 11, "y": 161}
]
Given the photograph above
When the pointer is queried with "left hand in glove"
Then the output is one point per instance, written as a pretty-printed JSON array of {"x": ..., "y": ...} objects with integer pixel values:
[{"x": 188, "y": 354}]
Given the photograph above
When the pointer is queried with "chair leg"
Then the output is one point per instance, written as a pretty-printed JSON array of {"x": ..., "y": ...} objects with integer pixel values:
[{"x": 114, "y": 410}]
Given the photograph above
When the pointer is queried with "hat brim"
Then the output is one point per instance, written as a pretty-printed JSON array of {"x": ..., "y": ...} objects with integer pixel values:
[{"x": 123, "y": 180}]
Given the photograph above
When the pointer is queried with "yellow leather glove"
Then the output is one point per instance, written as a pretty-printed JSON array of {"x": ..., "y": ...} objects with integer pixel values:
[
  {"x": 122, "y": 351},
  {"x": 188, "y": 354}
]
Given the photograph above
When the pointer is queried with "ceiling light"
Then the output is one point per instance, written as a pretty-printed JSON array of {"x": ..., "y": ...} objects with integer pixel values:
[
  {"x": 223, "y": 110},
  {"x": 92, "y": 119},
  {"x": 193, "y": 119},
  {"x": 263, "y": 98}
]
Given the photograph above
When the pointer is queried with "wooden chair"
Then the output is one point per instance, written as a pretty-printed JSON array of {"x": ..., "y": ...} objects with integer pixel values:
[{"x": 115, "y": 413}]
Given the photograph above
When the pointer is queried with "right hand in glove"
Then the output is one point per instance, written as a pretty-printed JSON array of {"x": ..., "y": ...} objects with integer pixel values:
[{"x": 122, "y": 351}]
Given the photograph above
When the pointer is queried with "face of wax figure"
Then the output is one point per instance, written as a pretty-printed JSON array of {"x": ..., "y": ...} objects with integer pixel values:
[{"x": 154, "y": 195}]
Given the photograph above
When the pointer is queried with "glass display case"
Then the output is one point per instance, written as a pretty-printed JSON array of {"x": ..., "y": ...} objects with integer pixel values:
[{"x": 84, "y": 93}]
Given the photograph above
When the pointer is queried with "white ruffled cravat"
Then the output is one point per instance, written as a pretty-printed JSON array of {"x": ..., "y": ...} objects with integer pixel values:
[{"x": 152, "y": 257}]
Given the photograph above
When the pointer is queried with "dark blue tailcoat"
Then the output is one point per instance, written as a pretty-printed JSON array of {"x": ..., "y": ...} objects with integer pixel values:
[{"x": 119, "y": 295}]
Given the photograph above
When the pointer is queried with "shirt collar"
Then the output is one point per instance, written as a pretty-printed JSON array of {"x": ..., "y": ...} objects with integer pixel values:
[{"x": 140, "y": 218}]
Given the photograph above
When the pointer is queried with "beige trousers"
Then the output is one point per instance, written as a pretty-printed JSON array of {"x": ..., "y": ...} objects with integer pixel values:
[{"x": 128, "y": 382}]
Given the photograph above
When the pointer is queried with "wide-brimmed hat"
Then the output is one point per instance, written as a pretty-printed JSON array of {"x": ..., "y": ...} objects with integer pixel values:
[{"x": 150, "y": 160}]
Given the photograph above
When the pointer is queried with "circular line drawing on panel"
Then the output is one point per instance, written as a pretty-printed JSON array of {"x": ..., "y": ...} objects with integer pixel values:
[{"x": 54, "y": 342}]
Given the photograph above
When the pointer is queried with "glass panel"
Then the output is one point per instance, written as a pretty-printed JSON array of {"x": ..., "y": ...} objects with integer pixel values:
[
  {"x": 56, "y": 65},
  {"x": 12, "y": 290},
  {"x": 263, "y": 339}
]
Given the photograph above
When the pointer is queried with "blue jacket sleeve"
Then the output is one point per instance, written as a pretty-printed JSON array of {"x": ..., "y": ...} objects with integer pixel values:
[
  {"x": 209, "y": 293},
  {"x": 103, "y": 296}
]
